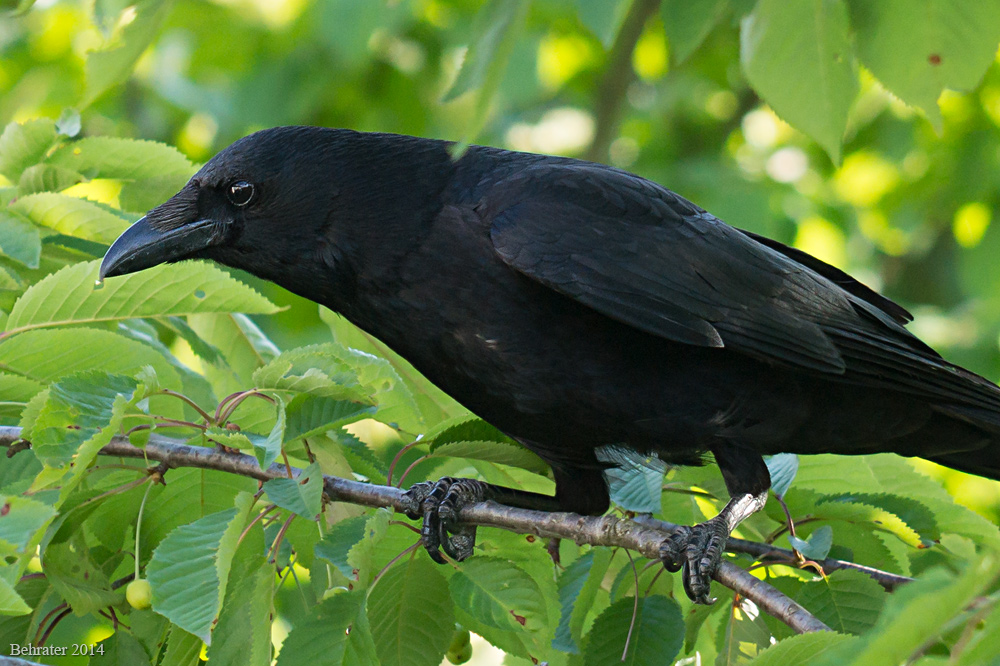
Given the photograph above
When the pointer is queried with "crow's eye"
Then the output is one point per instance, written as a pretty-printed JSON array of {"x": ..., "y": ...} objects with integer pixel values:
[{"x": 240, "y": 193}]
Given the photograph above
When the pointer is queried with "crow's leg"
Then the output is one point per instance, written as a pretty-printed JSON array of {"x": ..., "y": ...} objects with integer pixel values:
[
  {"x": 439, "y": 502},
  {"x": 698, "y": 549}
]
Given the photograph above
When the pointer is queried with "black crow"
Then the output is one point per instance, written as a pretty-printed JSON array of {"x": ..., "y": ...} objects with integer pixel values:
[{"x": 577, "y": 307}]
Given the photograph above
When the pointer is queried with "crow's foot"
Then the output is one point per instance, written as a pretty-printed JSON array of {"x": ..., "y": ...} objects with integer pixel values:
[
  {"x": 698, "y": 551},
  {"x": 438, "y": 503}
]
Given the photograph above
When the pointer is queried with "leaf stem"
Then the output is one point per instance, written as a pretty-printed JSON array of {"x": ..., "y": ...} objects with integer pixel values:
[{"x": 138, "y": 522}]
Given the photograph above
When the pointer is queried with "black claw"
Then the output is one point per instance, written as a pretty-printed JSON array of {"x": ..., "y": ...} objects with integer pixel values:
[
  {"x": 697, "y": 552},
  {"x": 438, "y": 503}
]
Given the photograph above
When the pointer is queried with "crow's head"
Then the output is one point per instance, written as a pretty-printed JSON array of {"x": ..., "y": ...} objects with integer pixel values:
[{"x": 262, "y": 202}]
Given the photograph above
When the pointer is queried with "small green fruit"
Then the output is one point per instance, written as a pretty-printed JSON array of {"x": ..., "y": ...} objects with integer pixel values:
[
  {"x": 139, "y": 594},
  {"x": 460, "y": 650}
]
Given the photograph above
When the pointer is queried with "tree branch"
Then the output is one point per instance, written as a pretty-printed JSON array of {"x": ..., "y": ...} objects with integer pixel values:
[
  {"x": 617, "y": 77},
  {"x": 765, "y": 552},
  {"x": 596, "y": 531}
]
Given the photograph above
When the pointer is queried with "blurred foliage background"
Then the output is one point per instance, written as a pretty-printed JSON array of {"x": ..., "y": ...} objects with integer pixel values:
[{"x": 908, "y": 208}]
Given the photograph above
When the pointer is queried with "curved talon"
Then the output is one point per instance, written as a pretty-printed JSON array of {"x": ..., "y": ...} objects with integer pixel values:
[
  {"x": 438, "y": 503},
  {"x": 697, "y": 552}
]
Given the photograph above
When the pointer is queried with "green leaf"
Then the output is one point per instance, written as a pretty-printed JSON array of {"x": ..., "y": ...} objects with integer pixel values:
[
  {"x": 70, "y": 567},
  {"x": 120, "y": 649},
  {"x": 468, "y": 436},
  {"x": 871, "y": 475},
  {"x": 744, "y": 635},
  {"x": 204, "y": 350},
  {"x": 499, "y": 594},
  {"x": 917, "y": 48},
  {"x": 635, "y": 487},
  {"x": 801, "y": 649},
  {"x": 411, "y": 615},
  {"x": 316, "y": 369},
  {"x": 268, "y": 448},
  {"x": 433, "y": 403},
  {"x": 362, "y": 555},
  {"x": 243, "y": 345},
  {"x": 69, "y": 123},
  {"x": 310, "y": 415},
  {"x": 338, "y": 541},
  {"x": 22, "y": 523},
  {"x": 336, "y": 633},
  {"x": 11, "y": 602},
  {"x": 47, "y": 178},
  {"x": 72, "y": 216},
  {"x": 782, "y": 468},
  {"x": 111, "y": 64},
  {"x": 798, "y": 58},
  {"x": 79, "y": 410},
  {"x": 15, "y": 392},
  {"x": 571, "y": 583},
  {"x": 589, "y": 593},
  {"x": 183, "y": 648},
  {"x": 47, "y": 355},
  {"x": 19, "y": 239},
  {"x": 69, "y": 296},
  {"x": 243, "y": 634},
  {"x": 656, "y": 634},
  {"x": 25, "y": 144},
  {"x": 190, "y": 568},
  {"x": 817, "y": 546},
  {"x": 302, "y": 495},
  {"x": 603, "y": 18},
  {"x": 494, "y": 34},
  {"x": 121, "y": 159},
  {"x": 189, "y": 494},
  {"x": 687, "y": 24},
  {"x": 983, "y": 648},
  {"x": 846, "y": 601},
  {"x": 906, "y": 623}
]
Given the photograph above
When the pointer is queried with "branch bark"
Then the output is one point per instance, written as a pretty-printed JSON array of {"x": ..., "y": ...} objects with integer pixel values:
[
  {"x": 597, "y": 531},
  {"x": 617, "y": 77}
]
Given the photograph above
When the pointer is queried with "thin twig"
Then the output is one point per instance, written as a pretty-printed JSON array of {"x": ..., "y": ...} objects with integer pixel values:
[
  {"x": 596, "y": 531},
  {"x": 635, "y": 606},
  {"x": 189, "y": 401}
]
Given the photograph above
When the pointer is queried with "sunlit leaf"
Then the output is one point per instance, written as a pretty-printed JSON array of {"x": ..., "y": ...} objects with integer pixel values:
[
  {"x": 798, "y": 57},
  {"x": 801, "y": 649},
  {"x": 69, "y": 296},
  {"x": 918, "y": 48}
]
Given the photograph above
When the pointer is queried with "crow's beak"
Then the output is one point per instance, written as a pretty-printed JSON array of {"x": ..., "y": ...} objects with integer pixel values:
[{"x": 142, "y": 246}]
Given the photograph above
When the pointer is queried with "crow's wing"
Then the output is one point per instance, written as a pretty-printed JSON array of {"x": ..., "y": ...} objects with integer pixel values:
[{"x": 640, "y": 254}]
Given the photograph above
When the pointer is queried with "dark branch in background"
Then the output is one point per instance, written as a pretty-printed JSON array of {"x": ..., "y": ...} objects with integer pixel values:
[
  {"x": 643, "y": 536},
  {"x": 617, "y": 77}
]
